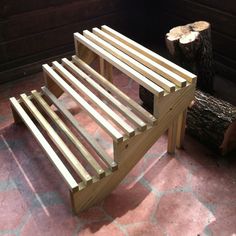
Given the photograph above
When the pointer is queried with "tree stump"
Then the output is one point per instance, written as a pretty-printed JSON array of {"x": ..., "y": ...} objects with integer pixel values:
[{"x": 190, "y": 45}]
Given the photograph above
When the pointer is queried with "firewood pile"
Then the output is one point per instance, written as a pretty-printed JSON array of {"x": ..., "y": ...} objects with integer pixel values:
[{"x": 209, "y": 119}]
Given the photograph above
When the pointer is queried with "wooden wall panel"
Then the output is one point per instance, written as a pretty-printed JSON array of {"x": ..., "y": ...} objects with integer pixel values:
[
  {"x": 34, "y": 31},
  {"x": 46, "y": 19}
]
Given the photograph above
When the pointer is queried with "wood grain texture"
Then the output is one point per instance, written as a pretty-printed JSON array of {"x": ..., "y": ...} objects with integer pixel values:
[
  {"x": 75, "y": 123},
  {"x": 53, "y": 157},
  {"x": 114, "y": 90}
]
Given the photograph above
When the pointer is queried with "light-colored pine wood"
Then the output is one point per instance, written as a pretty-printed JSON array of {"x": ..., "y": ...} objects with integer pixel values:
[
  {"x": 108, "y": 71},
  {"x": 154, "y": 77},
  {"x": 114, "y": 133},
  {"x": 101, "y": 66},
  {"x": 152, "y": 55},
  {"x": 56, "y": 90},
  {"x": 139, "y": 78},
  {"x": 137, "y": 62},
  {"x": 75, "y": 123},
  {"x": 116, "y": 119},
  {"x": 53, "y": 157},
  {"x": 64, "y": 128},
  {"x": 172, "y": 134},
  {"x": 176, "y": 79},
  {"x": 131, "y": 151},
  {"x": 181, "y": 129},
  {"x": 113, "y": 89},
  {"x": 70, "y": 157},
  {"x": 116, "y": 103},
  {"x": 84, "y": 53}
]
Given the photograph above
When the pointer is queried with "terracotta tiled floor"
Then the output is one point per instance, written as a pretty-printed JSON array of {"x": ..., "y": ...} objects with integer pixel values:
[{"x": 191, "y": 193}]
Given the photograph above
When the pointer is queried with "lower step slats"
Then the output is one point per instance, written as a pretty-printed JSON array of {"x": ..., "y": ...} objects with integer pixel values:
[
  {"x": 74, "y": 122},
  {"x": 53, "y": 157},
  {"x": 70, "y": 157},
  {"x": 85, "y": 154}
]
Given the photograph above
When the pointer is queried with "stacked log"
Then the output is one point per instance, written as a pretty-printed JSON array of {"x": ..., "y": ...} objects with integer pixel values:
[
  {"x": 211, "y": 120},
  {"x": 190, "y": 45}
]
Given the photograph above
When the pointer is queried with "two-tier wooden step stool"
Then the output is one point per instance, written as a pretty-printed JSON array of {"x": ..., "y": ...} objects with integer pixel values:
[{"x": 132, "y": 129}]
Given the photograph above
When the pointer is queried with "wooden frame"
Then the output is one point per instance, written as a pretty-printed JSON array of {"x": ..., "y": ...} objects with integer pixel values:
[{"x": 132, "y": 129}]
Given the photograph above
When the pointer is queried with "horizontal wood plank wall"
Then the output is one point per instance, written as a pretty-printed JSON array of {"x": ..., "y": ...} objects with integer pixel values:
[
  {"x": 32, "y": 31},
  {"x": 221, "y": 15}
]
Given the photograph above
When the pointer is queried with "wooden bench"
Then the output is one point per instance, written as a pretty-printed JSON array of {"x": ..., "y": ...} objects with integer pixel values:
[{"x": 132, "y": 129}]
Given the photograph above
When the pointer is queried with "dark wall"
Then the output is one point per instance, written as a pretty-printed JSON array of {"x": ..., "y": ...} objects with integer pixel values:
[
  {"x": 222, "y": 16},
  {"x": 31, "y": 31}
]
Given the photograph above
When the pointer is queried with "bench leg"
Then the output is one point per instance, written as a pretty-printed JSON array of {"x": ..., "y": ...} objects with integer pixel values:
[
  {"x": 101, "y": 66},
  {"x": 172, "y": 133},
  {"x": 106, "y": 69},
  {"x": 181, "y": 129}
]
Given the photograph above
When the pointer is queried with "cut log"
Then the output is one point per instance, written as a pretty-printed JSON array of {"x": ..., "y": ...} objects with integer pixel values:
[
  {"x": 210, "y": 120},
  {"x": 190, "y": 45},
  {"x": 213, "y": 122}
]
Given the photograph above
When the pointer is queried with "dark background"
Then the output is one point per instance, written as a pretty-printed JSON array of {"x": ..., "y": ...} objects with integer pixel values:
[{"x": 33, "y": 32}]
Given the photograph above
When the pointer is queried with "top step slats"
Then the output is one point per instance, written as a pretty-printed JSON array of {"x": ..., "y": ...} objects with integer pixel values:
[
  {"x": 53, "y": 157},
  {"x": 107, "y": 110},
  {"x": 176, "y": 79},
  {"x": 152, "y": 55},
  {"x": 114, "y": 133},
  {"x": 139, "y": 78},
  {"x": 70, "y": 157},
  {"x": 149, "y": 118},
  {"x": 154, "y": 77},
  {"x": 116, "y": 103}
]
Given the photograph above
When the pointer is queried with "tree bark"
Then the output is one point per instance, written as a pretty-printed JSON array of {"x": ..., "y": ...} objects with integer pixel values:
[
  {"x": 213, "y": 122},
  {"x": 190, "y": 45}
]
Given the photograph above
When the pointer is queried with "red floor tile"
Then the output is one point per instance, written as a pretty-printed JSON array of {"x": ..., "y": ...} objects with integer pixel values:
[
  {"x": 130, "y": 205},
  {"x": 101, "y": 229},
  {"x": 225, "y": 222},
  {"x": 12, "y": 208},
  {"x": 144, "y": 229},
  {"x": 167, "y": 174},
  {"x": 182, "y": 214},
  {"x": 214, "y": 185},
  {"x": 54, "y": 220}
]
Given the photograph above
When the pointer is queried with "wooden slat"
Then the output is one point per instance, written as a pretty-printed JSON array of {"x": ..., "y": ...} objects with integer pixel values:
[
  {"x": 107, "y": 110},
  {"x": 176, "y": 79},
  {"x": 154, "y": 77},
  {"x": 112, "y": 88},
  {"x": 84, "y": 152},
  {"x": 116, "y": 103},
  {"x": 139, "y": 78},
  {"x": 53, "y": 157},
  {"x": 116, "y": 135},
  {"x": 70, "y": 157},
  {"x": 152, "y": 55},
  {"x": 100, "y": 151}
]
